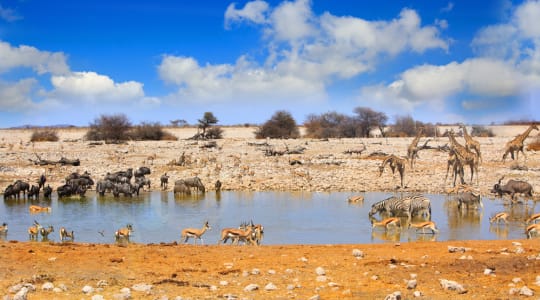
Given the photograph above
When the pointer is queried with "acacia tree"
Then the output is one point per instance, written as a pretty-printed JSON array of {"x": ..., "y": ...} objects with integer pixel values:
[
  {"x": 368, "y": 119},
  {"x": 205, "y": 124},
  {"x": 281, "y": 125}
]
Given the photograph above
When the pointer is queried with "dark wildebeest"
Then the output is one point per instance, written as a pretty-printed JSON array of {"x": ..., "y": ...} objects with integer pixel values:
[
  {"x": 103, "y": 186},
  {"x": 11, "y": 192},
  {"x": 181, "y": 188},
  {"x": 67, "y": 190},
  {"x": 512, "y": 187},
  {"x": 47, "y": 191},
  {"x": 469, "y": 200},
  {"x": 22, "y": 187},
  {"x": 141, "y": 172},
  {"x": 193, "y": 182},
  {"x": 124, "y": 188},
  {"x": 41, "y": 181},
  {"x": 218, "y": 186},
  {"x": 164, "y": 181},
  {"x": 34, "y": 192}
]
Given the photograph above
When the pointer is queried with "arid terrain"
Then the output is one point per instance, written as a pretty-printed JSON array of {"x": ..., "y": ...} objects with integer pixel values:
[{"x": 484, "y": 269}]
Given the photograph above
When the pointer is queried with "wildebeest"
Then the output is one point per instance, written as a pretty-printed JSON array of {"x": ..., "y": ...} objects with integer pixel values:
[
  {"x": 218, "y": 185},
  {"x": 120, "y": 176},
  {"x": 140, "y": 172},
  {"x": 124, "y": 188},
  {"x": 34, "y": 192},
  {"x": 15, "y": 189},
  {"x": 140, "y": 182},
  {"x": 47, "y": 191},
  {"x": 67, "y": 190},
  {"x": 103, "y": 186},
  {"x": 41, "y": 181},
  {"x": 512, "y": 187},
  {"x": 193, "y": 182},
  {"x": 181, "y": 188},
  {"x": 164, "y": 181}
]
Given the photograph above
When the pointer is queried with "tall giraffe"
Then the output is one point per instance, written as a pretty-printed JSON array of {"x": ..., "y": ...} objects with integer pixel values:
[
  {"x": 464, "y": 156},
  {"x": 470, "y": 143},
  {"x": 516, "y": 144},
  {"x": 412, "y": 150},
  {"x": 395, "y": 162}
]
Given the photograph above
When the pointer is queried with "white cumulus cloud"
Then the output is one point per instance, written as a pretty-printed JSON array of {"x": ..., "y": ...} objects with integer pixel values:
[
  {"x": 30, "y": 57},
  {"x": 254, "y": 11}
]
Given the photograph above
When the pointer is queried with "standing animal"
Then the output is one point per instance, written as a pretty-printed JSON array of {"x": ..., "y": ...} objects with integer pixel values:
[
  {"x": 386, "y": 223},
  {"x": 425, "y": 225},
  {"x": 464, "y": 156},
  {"x": 393, "y": 206},
  {"x": 456, "y": 166},
  {"x": 140, "y": 172},
  {"x": 103, "y": 186},
  {"x": 512, "y": 187},
  {"x": 181, "y": 188},
  {"x": 64, "y": 234},
  {"x": 34, "y": 192},
  {"x": 395, "y": 163},
  {"x": 245, "y": 234},
  {"x": 412, "y": 150},
  {"x": 3, "y": 229},
  {"x": 123, "y": 233},
  {"x": 193, "y": 182},
  {"x": 533, "y": 228},
  {"x": 469, "y": 199},
  {"x": 41, "y": 181},
  {"x": 502, "y": 216},
  {"x": 194, "y": 233},
  {"x": 34, "y": 230},
  {"x": 420, "y": 205},
  {"x": 164, "y": 179},
  {"x": 217, "y": 186},
  {"x": 516, "y": 144},
  {"x": 470, "y": 143},
  {"x": 45, "y": 232},
  {"x": 47, "y": 191}
]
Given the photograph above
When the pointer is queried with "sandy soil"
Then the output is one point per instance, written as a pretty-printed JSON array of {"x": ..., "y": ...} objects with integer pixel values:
[{"x": 210, "y": 272}]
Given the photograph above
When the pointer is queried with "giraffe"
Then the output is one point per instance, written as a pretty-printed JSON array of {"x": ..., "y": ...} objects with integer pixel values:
[
  {"x": 516, "y": 144},
  {"x": 457, "y": 167},
  {"x": 412, "y": 150},
  {"x": 470, "y": 143},
  {"x": 395, "y": 162},
  {"x": 464, "y": 156}
]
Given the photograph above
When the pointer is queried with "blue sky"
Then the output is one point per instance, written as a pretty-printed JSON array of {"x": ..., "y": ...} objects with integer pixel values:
[{"x": 68, "y": 62}]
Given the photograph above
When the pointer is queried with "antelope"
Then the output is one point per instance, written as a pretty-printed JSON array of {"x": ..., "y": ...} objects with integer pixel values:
[
  {"x": 387, "y": 222},
  {"x": 194, "y": 233},
  {"x": 45, "y": 232},
  {"x": 124, "y": 232},
  {"x": 64, "y": 234},
  {"x": 3, "y": 229},
  {"x": 533, "y": 218},
  {"x": 423, "y": 225},
  {"x": 33, "y": 230},
  {"x": 38, "y": 209},
  {"x": 502, "y": 216},
  {"x": 355, "y": 199},
  {"x": 238, "y": 234},
  {"x": 534, "y": 228}
]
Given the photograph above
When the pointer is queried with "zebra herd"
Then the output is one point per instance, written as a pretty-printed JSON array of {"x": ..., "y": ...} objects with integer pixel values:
[{"x": 409, "y": 207}]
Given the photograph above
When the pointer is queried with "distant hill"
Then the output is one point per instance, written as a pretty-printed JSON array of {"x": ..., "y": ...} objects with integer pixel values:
[{"x": 27, "y": 126}]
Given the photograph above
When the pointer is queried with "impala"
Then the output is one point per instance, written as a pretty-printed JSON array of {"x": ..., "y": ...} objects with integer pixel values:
[
  {"x": 425, "y": 225},
  {"x": 45, "y": 232},
  {"x": 386, "y": 223},
  {"x": 502, "y": 216},
  {"x": 533, "y": 228},
  {"x": 533, "y": 218},
  {"x": 33, "y": 231},
  {"x": 124, "y": 232},
  {"x": 64, "y": 234},
  {"x": 195, "y": 233}
]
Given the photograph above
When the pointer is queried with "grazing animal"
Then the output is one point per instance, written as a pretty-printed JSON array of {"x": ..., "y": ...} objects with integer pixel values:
[
  {"x": 393, "y": 206},
  {"x": 512, "y": 187},
  {"x": 140, "y": 172},
  {"x": 3, "y": 229},
  {"x": 64, "y": 234},
  {"x": 237, "y": 235},
  {"x": 124, "y": 232},
  {"x": 516, "y": 144},
  {"x": 386, "y": 223},
  {"x": 502, "y": 216},
  {"x": 38, "y": 209},
  {"x": 45, "y": 232},
  {"x": 41, "y": 181},
  {"x": 193, "y": 182},
  {"x": 425, "y": 225},
  {"x": 195, "y": 233},
  {"x": 420, "y": 205},
  {"x": 34, "y": 192},
  {"x": 217, "y": 186},
  {"x": 164, "y": 179},
  {"x": 181, "y": 188},
  {"x": 533, "y": 228},
  {"x": 395, "y": 163},
  {"x": 34, "y": 230},
  {"x": 47, "y": 192},
  {"x": 469, "y": 199},
  {"x": 533, "y": 218}
]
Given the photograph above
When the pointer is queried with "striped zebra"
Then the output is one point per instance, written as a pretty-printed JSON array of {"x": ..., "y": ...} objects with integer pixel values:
[
  {"x": 420, "y": 205},
  {"x": 393, "y": 206}
]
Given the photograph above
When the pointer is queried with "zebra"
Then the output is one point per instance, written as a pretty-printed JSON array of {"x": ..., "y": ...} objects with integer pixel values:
[
  {"x": 394, "y": 206},
  {"x": 420, "y": 205}
]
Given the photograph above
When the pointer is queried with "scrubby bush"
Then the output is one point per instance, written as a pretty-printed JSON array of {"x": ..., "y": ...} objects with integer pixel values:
[
  {"x": 482, "y": 131},
  {"x": 44, "y": 135},
  {"x": 406, "y": 126},
  {"x": 327, "y": 125},
  {"x": 150, "y": 132},
  {"x": 281, "y": 125},
  {"x": 110, "y": 128},
  {"x": 214, "y": 133}
]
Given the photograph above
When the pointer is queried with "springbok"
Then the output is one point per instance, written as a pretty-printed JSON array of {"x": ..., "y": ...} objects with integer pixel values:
[
  {"x": 124, "y": 232},
  {"x": 246, "y": 235},
  {"x": 38, "y": 209},
  {"x": 64, "y": 234},
  {"x": 502, "y": 216},
  {"x": 3, "y": 229},
  {"x": 355, "y": 199},
  {"x": 533, "y": 218},
  {"x": 45, "y": 232},
  {"x": 533, "y": 228},
  {"x": 33, "y": 230},
  {"x": 386, "y": 223},
  {"x": 425, "y": 225},
  {"x": 195, "y": 233}
]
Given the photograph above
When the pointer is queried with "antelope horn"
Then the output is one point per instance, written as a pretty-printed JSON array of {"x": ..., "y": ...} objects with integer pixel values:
[{"x": 501, "y": 179}]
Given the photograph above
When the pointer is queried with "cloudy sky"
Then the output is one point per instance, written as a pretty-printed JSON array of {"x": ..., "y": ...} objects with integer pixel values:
[{"x": 68, "y": 62}]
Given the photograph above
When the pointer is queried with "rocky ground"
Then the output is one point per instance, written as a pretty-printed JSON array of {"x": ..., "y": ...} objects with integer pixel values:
[{"x": 430, "y": 270}]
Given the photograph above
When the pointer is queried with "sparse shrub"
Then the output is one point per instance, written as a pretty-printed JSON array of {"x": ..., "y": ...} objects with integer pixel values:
[
  {"x": 147, "y": 132},
  {"x": 110, "y": 128},
  {"x": 327, "y": 125},
  {"x": 214, "y": 133},
  {"x": 44, "y": 135},
  {"x": 281, "y": 126},
  {"x": 482, "y": 131}
]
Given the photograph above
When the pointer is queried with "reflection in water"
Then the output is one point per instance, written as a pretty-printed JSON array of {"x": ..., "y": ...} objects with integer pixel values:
[
  {"x": 499, "y": 229},
  {"x": 288, "y": 218}
]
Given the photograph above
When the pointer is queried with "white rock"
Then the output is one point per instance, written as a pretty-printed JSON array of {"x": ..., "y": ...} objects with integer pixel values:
[
  {"x": 321, "y": 278},
  {"x": 452, "y": 285},
  {"x": 255, "y": 271},
  {"x": 320, "y": 271},
  {"x": 251, "y": 287},
  {"x": 525, "y": 291},
  {"x": 21, "y": 294},
  {"x": 516, "y": 280},
  {"x": 270, "y": 287},
  {"x": 357, "y": 253},
  {"x": 271, "y": 272},
  {"x": 223, "y": 283},
  {"x": 87, "y": 289},
  {"x": 47, "y": 286},
  {"x": 411, "y": 284},
  {"x": 97, "y": 297},
  {"x": 393, "y": 296},
  {"x": 488, "y": 271},
  {"x": 142, "y": 287},
  {"x": 316, "y": 297},
  {"x": 417, "y": 294},
  {"x": 290, "y": 287},
  {"x": 303, "y": 259}
]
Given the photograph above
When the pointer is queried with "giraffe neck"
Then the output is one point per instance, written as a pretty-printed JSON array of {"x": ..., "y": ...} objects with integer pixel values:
[{"x": 524, "y": 135}]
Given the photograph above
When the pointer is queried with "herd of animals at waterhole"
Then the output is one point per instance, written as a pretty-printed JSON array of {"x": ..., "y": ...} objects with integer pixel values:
[{"x": 394, "y": 211}]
